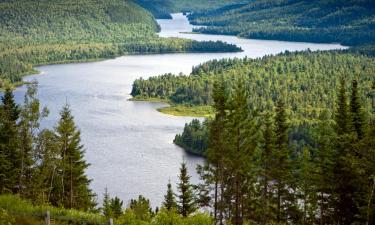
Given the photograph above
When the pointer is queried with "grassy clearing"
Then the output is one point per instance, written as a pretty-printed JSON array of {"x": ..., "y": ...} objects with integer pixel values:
[
  {"x": 193, "y": 111},
  {"x": 25, "y": 213}
]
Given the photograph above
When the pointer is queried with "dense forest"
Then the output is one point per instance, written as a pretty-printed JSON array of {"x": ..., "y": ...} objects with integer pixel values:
[
  {"x": 252, "y": 175},
  {"x": 307, "y": 81},
  {"x": 255, "y": 177},
  {"x": 347, "y": 22},
  {"x": 162, "y": 9},
  {"x": 44, "y": 32}
]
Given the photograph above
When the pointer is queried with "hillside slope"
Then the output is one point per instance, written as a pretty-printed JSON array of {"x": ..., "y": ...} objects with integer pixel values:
[
  {"x": 162, "y": 9},
  {"x": 55, "y": 31},
  {"x": 348, "y": 22}
]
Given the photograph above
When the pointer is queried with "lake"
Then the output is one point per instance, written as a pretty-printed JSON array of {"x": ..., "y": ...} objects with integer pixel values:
[{"x": 129, "y": 144}]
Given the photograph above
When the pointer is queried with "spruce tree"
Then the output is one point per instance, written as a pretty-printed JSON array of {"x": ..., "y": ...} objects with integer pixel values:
[
  {"x": 76, "y": 192},
  {"x": 357, "y": 120},
  {"x": 116, "y": 207},
  {"x": 106, "y": 208},
  {"x": 266, "y": 164},
  {"x": 186, "y": 199},
  {"x": 169, "y": 199},
  {"x": 345, "y": 155},
  {"x": 342, "y": 111},
  {"x": 217, "y": 149},
  {"x": 9, "y": 143},
  {"x": 281, "y": 170}
]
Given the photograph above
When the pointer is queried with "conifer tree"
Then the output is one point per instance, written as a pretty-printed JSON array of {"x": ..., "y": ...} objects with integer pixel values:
[
  {"x": 367, "y": 163},
  {"x": 217, "y": 149},
  {"x": 76, "y": 192},
  {"x": 345, "y": 155},
  {"x": 324, "y": 163},
  {"x": 186, "y": 199},
  {"x": 169, "y": 199},
  {"x": 357, "y": 120},
  {"x": 281, "y": 170},
  {"x": 141, "y": 208},
  {"x": 116, "y": 207},
  {"x": 9, "y": 142},
  {"x": 342, "y": 111},
  {"x": 106, "y": 208},
  {"x": 266, "y": 164}
]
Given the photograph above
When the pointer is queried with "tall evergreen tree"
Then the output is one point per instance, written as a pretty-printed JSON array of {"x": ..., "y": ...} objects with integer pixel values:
[
  {"x": 116, "y": 207},
  {"x": 75, "y": 189},
  {"x": 9, "y": 142},
  {"x": 106, "y": 207},
  {"x": 217, "y": 149},
  {"x": 169, "y": 199},
  {"x": 357, "y": 120},
  {"x": 281, "y": 170},
  {"x": 367, "y": 163},
  {"x": 266, "y": 164},
  {"x": 345, "y": 155},
  {"x": 186, "y": 199},
  {"x": 324, "y": 163},
  {"x": 342, "y": 111}
]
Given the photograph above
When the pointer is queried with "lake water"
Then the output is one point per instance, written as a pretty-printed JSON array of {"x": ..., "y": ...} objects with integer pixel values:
[{"x": 129, "y": 144}]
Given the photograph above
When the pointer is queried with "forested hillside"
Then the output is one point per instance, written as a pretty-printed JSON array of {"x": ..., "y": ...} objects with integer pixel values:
[
  {"x": 348, "y": 22},
  {"x": 162, "y": 9},
  {"x": 307, "y": 82},
  {"x": 43, "y": 32}
]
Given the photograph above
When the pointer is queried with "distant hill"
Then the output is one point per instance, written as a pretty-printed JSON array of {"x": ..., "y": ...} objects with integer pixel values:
[
  {"x": 34, "y": 32},
  {"x": 350, "y": 22},
  {"x": 162, "y": 9}
]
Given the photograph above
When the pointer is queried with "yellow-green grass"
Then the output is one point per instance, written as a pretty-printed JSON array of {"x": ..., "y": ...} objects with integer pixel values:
[
  {"x": 23, "y": 211},
  {"x": 185, "y": 110}
]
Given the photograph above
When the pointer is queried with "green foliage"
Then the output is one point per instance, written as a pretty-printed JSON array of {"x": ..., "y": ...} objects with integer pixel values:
[
  {"x": 45, "y": 32},
  {"x": 5, "y": 218},
  {"x": 75, "y": 193},
  {"x": 194, "y": 138},
  {"x": 169, "y": 199},
  {"x": 16, "y": 207},
  {"x": 307, "y": 81},
  {"x": 141, "y": 208},
  {"x": 347, "y": 22},
  {"x": 263, "y": 179},
  {"x": 159, "y": 8},
  {"x": 9, "y": 142},
  {"x": 186, "y": 199}
]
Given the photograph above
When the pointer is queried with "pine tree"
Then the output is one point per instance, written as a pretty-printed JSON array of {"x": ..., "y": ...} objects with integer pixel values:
[
  {"x": 116, "y": 207},
  {"x": 357, "y": 120},
  {"x": 345, "y": 155},
  {"x": 281, "y": 170},
  {"x": 266, "y": 164},
  {"x": 324, "y": 164},
  {"x": 106, "y": 208},
  {"x": 217, "y": 149},
  {"x": 9, "y": 142},
  {"x": 307, "y": 186},
  {"x": 186, "y": 199},
  {"x": 141, "y": 208},
  {"x": 76, "y": 192},
  {"x": 367, "y": 175},
  {"x": 169, "y": 199},
  {"x": 342, "y": 111}
]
